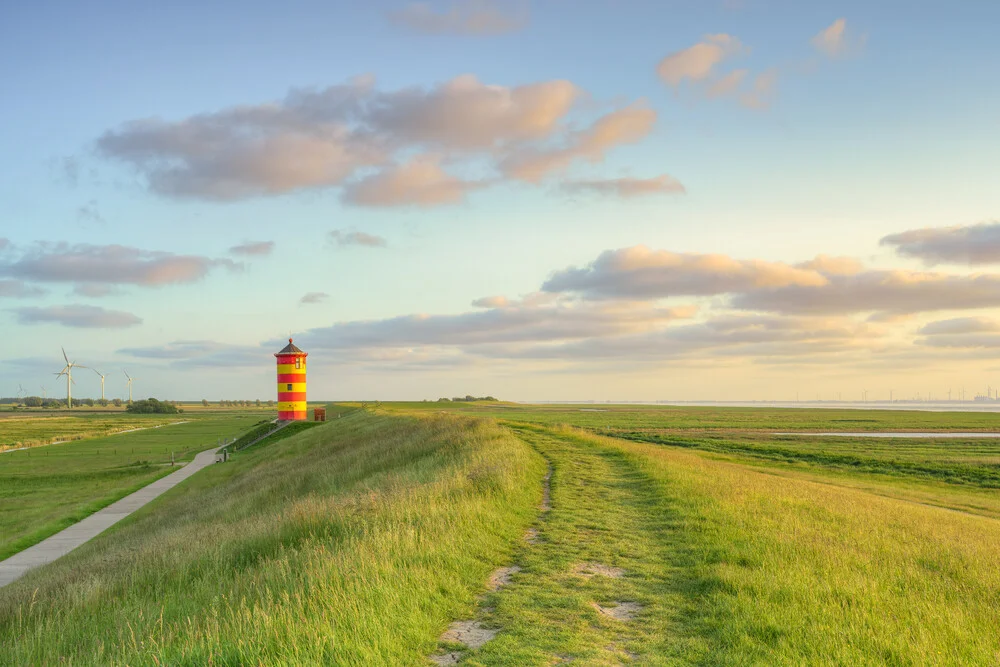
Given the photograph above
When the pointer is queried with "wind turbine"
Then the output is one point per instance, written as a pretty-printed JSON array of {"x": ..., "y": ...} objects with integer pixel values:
[
  {"x": 102, "y": 382},
  {"x": 130, "y": 379},
  {"x": 68, "y": 372},
  {"x": 44, "y": 390},
  {"x": 20, "y": 392}
]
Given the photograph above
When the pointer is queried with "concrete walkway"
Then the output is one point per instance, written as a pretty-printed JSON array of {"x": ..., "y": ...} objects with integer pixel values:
[{"x": 70, "y": 538}]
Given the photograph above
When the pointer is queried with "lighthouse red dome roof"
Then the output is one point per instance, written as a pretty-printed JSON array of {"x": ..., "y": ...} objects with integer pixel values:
[{"x": 291, "y": 349}]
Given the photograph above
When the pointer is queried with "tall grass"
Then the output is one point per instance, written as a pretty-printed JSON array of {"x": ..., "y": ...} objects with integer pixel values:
[
  {"x": 350, "y": 543},
  {"x": 786, "y": 571}
]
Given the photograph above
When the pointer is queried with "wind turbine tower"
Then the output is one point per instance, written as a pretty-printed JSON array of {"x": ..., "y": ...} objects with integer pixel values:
[
  {"x": 130, "y": 379},
  {"x": 68, "y": 372},
  {"x": 102, "y": 382}
]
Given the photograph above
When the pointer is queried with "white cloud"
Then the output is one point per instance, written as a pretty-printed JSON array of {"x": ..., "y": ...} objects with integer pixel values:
[
  {"x": 960, "y": 244},
  {"x": 88, "y": 317},
  {"x": 626, "y": 187},
  {"x": 836, "y": 41},
  {"x": 343, "y": 237},
  {"x": 109, "y": 264},
  {"x": 698, "y": 62}
]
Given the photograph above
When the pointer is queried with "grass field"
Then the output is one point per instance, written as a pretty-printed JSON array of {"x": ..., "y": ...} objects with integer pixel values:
[
  {"x": 45, "y": 489},
  {"x": 671, "y": 541},
  {"x": 25, "y": 429}
]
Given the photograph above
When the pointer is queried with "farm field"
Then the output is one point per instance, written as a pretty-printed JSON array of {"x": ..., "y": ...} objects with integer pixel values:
[
  {"x": 385, "y": 536},
  {"x": 29, "y": 429},
  {"x": 45, "y": 489}
]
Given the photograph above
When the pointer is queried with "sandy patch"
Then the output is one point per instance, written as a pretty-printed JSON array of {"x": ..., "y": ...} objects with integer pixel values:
[
  {"x": 447, "y": 659},
  {"x": 501, "y": 577},
  {"x": 620, "y": 611},
  {"x": 470, "y": 633},
  {"x": 588, "y": 570},
  {"x": 531, "y": 536}
]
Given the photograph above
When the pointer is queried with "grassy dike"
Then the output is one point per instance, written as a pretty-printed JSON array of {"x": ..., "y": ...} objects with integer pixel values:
[
  {"x": 733, "y": 566},
  {"x": 355, "y": 542}
]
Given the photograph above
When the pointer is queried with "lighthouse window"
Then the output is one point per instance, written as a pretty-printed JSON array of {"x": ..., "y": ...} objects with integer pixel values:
[
  {"x": 298, "y": 363},
  {"x": 289, "y": 388}
]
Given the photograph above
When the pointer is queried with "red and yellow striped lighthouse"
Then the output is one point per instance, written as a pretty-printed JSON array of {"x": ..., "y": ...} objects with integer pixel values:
[{"x": 291, "y": 383}]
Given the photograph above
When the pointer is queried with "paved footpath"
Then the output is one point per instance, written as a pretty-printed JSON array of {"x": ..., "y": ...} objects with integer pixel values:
[{"x": 70, "y": 538}]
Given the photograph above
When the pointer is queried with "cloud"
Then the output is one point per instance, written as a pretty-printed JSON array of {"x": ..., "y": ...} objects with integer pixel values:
[
  {"x": 969, "y": 244},
  {"x": 761, "y": 91},
  {"x": 87, "y": 317},
  {"x": 698, "y": 62},
  {"x": 465, "y": 114},
  {"x": 95, "y": 290},
  {"x": 89, "y": 213},
  {"x": 762, "y": 338},
  {"x": 111, "y": 264},
  {"x": 829, "y": 265},
  {"x": 18, "y": 289},
  {"x": 960, "y": 325},
  {"x": 258, "y": 249},
  {"x": 69, "y": 170},
  {"x": 306, "y": 141},
  {"x": 822, "y": 286},
  {"x": 182, "y": 349},
  {"x": 491, "y": 302},
  {"x": 4, "y": 243},
  {"x": 329, "y": 137},
  {"x": 727, "y": 84},
  {"x": 464, "y": 17},
  {"x": 626, "y": 187},
  {"x": 511, "y": 323},
  {"x": 314, "y": 297},
  {"x": 204, "y": 353},
  {"x": 419, "y": 182},
  {"x": 961, "y": 333},
  {"x": 342, "y": 237},
  {"x": 889, "y": 291},
  {"x": 642, "y": 273},
  {"x": 624, "y": 126},
  {"x": 833, "y": 40}
]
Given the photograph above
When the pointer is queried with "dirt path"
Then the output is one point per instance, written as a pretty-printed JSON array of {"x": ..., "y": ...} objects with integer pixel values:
[
  {"x": 590, "y": 584},
  {"x": 70, "y": 538}
]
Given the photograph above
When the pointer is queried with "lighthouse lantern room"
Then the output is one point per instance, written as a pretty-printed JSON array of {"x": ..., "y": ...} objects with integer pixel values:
[{"x": 291, "y": 383}]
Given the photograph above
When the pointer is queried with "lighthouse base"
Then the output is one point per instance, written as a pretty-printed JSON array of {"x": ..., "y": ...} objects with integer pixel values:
[{"x": 293, "y": 415}]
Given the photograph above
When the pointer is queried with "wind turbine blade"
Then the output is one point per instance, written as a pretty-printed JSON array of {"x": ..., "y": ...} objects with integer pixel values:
[{"x": 64, "y": 354}]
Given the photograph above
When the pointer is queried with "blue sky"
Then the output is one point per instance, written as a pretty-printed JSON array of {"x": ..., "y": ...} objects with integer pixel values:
[{"x": 886, "y": 125}]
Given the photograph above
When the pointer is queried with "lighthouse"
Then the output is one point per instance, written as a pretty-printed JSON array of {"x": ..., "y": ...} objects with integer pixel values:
[{"x": 291, "y": 383}]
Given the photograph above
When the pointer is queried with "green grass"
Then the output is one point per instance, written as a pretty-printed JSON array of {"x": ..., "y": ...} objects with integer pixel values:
[
  {"x": 45, "y": 489},
  {"x": 354, "y": 542},
  {"x": 358, "y": 541},
  {"x": 738, "y": 567},
  {"x": 28, "y": 429},
  {"x": 701, "y": 418}
]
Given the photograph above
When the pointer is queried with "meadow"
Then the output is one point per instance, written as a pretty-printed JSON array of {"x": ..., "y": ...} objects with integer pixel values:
[
  {"x": 45, "y": 489},
  {"x": 32, "y": 428},
  {"x": 640, "y": 535}
]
